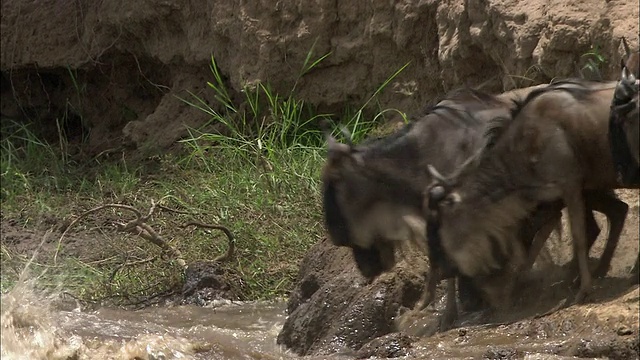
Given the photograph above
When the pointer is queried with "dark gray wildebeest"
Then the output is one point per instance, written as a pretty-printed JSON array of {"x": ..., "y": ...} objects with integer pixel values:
[
  {"x": 624, "y": 124},
  {"x": 372, "y": 192},
  {"x": 554, "y": 147}
]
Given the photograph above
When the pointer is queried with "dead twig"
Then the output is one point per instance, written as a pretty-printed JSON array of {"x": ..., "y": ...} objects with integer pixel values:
[
  {"x": 166, "y": 208},
  {"x": 232, "y": 242}
]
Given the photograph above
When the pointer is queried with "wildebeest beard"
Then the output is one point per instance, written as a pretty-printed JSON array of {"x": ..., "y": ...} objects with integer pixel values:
[
  {"x": 368, "y": 261},
  {"x": 374, "y": 260},
  {"x": 335, "y": 221}
]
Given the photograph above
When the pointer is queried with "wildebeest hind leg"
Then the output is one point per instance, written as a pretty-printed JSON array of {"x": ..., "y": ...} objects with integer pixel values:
[
  {"x": 635, "y": 272},
  {"x": 576, "y": 209},
  {"x": 539, "y": 240},
  {"x": 592, "y": 231},
  {"x": 616, "y": 212}
]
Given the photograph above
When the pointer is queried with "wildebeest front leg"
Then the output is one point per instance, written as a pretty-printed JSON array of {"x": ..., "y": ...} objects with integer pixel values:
[
  {"x": 430, "y": 291},
  {"x": 576, "y": 208},
  {"x": 451, "y": 308}
]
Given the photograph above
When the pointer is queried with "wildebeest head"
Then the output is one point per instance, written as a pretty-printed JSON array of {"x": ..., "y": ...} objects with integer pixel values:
[
  {"x": 624, "y": 127},
  {"x": 470, "y": 244},
  {"x": 366, "y": 207}
]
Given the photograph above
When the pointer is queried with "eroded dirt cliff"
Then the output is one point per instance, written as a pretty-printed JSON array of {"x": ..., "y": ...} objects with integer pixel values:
[{"x": 112, "y": 70}]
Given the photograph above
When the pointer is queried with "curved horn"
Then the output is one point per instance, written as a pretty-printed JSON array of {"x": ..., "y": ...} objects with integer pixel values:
[
  {"x": 626, "y": 74},
  {"x": 436, "y": 174},
  {"x": 337, "y": 150},
  {"x": 626, "y": 88},
  {"x": 627, "y": 50},
  {"x": 347, "y": 134}
]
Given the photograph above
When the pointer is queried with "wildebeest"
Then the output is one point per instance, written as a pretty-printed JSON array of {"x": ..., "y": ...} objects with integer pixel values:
[
  {"x": 372, "y": 192},
  {"x": 632, "y": 61},
  {"x": 553, "y": 147},
  {"x": 624, "y": 124}
]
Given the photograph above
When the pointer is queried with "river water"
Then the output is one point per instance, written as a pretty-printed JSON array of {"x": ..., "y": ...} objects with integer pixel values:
[
  {"x": 35, "y": 326},
  {"x": 39, "y": 326}
]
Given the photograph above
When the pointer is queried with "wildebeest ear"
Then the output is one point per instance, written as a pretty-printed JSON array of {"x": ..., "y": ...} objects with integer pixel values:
[
  {"x": 627, "y": 75},
  {"x": 452, "y": 198},
  {"x": 338, "y": 152},
  {"x": 438, "y": 195}
]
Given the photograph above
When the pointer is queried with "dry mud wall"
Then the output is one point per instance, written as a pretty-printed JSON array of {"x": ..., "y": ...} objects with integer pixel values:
[{"x": 112, "y": 69}]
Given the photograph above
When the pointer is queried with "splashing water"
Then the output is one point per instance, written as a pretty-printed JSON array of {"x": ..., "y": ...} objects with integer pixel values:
[{"x": 34, "y": 327}]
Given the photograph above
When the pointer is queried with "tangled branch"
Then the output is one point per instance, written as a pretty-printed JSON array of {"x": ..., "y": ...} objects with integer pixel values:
[
  {"x": 232, "y": 242},
  {"x": 138, "y": 226}
]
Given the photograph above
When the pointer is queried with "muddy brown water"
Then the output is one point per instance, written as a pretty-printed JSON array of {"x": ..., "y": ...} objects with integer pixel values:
[{"x": 36, "y": 326}]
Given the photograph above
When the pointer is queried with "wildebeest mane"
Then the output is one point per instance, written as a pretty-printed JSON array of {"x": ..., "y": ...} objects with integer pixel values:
[
  {"x": 388, "y": 140},
  {"x": 460, "y": 107},
  {"x": 468, "y": 101},
  {"x": 495, "y": 129},
  {"x": 465, "y": 103},
  {"x": 578, "y": 88}
]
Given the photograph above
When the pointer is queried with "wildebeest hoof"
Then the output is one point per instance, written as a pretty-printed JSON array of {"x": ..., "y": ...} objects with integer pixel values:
[
  {"x": 574, "y": 282},
  {"x": 561, "y": 305},
  {"x": 600, "y": 272},
  {"x": 581, "y": 296},
  {"x": 421, "y": 305},
  {"x": 447, "y": 320}
]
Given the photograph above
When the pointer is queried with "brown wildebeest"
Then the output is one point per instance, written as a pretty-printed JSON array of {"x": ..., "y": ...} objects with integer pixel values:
[
  {"x": 554, "y": 147},
  {"x": 372, "y": 192}
]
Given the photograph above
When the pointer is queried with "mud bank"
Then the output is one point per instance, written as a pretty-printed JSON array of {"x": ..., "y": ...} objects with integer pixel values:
[{"x": 113, "y": 71}]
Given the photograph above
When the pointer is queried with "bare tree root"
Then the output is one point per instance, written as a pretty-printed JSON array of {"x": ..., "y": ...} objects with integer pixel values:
[
  {"x": 138, "y": 227},
  {"x": 232, "y": 242}
]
